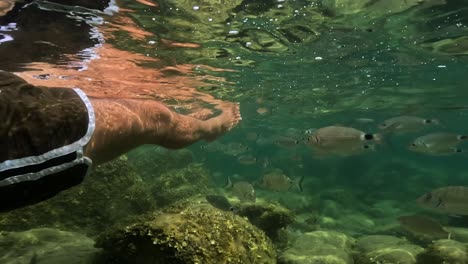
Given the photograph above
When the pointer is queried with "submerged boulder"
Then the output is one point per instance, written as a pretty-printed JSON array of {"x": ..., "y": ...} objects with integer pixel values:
[
  {"x": 46, "y": 245},
  {"x": 444, "y": 252},
  {"x": 178, "y": 184},
  {"x": 381, "y": 249},
  {"x": 319, "y": 247},
  {"x": 111, "y": 193},
  {"x": 188, "y": 233},
  {"x": 270, "y": 217}
]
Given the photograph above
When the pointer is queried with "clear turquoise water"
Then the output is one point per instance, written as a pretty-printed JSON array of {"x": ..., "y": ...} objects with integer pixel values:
[{"x": 365, "y": 65}]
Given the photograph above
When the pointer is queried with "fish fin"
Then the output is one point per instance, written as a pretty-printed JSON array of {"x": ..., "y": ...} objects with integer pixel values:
[
  {"x": 453, "y": 215},
  {"x": 299, "y": 183},
  {"x": 457, "y": 150},
  {"x": 449, "y": 236},
  {"x": 228, "y": 184}
]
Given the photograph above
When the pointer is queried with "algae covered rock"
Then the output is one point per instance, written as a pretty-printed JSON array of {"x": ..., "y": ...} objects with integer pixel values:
[
  {"x": 111, "y": 193},
  {"x": 445, "y": 252},
  {"x": 319, "y": 247},
  {"x": 46, "y": 245},
  {"x": 381, "y": 249},
  {"x": 178, "y": 184},
  {"x": 188, "y": 233},
  {"x": 270, "y": 217},
  {"x": 153, "y": 160},
  {"x": 449, "y": 46}
]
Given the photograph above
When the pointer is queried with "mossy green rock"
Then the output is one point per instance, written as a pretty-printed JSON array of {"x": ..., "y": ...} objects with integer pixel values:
[
  {"x": 319, "y": 247},
  {"x": 111, "y": 193},
  {"x": 178, "y": 184},
  {"x": 189, "y": 233},
  {"x": 152, "y": 160},
  {"x": 381, "y": 249},
  {"x": 46, "y": 246},
  {"x": 449, "y": 46},
  {"x": 445, "y": 252},
  {"x": 270, "y": 217}
]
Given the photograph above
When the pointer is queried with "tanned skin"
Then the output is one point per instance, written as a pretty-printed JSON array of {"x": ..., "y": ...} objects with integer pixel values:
[{"x": 124, "y": 124}]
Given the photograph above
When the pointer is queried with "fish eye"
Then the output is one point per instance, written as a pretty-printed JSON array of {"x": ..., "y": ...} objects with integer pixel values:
[
  {"x": 413, "y": 145},
  {"x": 366, "y": 146},
  {"x": 383, "y": 124},
  {"x": 427, "y": 121},
  {"x": 368, "y": 136}
]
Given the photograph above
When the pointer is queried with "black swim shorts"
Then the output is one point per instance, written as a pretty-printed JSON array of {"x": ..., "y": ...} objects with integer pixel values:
[{"x": 42, "y": 135}]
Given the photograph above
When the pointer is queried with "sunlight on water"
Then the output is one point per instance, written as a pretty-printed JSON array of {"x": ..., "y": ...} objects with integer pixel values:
[{"x": 318, "y": 162}]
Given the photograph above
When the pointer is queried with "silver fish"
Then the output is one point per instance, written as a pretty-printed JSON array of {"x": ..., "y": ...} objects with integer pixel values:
[
  {"x": 213, "y": 146},
  {"x": 437, "y": 143},
  {"x": 449, "y": 200},
  {"x": 402, "y": 124},
  {"x": 242, "y": 190},
  {"x": 276, "y": 180},
  {"x": 235, "y": 149},
  {"x": 285, "y": 142},
  {"x": 247, "y": 159},
  {"x": 423, "y": 226},
  {"x": 341, "y": 140}
]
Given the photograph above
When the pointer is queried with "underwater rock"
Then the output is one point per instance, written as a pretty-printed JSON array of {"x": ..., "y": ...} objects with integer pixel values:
[
  {"x": 188, "y": 233},
  {"x": 374, "y": 8},
  {"x": 46, "y": 246},
  {"x": 270, "y": 217},
  {"x": 261, "y": 40},
  {"x": 356, "y": 224},
  {"x": 450, "y": 46},
  {"x": 319, "y": 247},
  {"x": 380, "y": 249},
  {"x": 153, "y": 160},
  {"x": 111, "y": 193},
  {"x": 444, "y": 252},
  {"x": 345, "y": 7},
  {"x": 178, "y": 184},
  {"x": 458, "y": 233}
]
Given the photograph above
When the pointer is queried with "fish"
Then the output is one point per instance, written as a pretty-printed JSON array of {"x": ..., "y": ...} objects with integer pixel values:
[
  {"x": 252, "y": 136},
  {"x": 285, "y": 142},
  {"x": 341, "y": 140},
  {"x": 247, "y": 159},
  {"x": 213, "y": 146},
  {"x": 364, "y": 120},
  {"x": 235, "y": 149},
  {"x": 423, "y": 226},
  {"x": 441, "y": 143},
  {"x": 403, "y": 124},
  {"x": 450, "y": 200},
  {"x": 242, "y": 190},
  {"x": 220, "y": 202},
  {"x": 263, "y": 111},
  {"x": 276, "y": 180}
]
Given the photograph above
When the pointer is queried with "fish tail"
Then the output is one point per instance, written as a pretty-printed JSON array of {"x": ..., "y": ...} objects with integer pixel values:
[
  {"x": 299, "y": 183},
  {"x": 228, "y": 184}
]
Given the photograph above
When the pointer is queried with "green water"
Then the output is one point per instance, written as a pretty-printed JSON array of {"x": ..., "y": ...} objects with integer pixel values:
[{"x": 308, "y": 65}]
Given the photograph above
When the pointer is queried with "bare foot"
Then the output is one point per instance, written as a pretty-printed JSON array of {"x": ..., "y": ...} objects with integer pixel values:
[
  {"x": 227, "y": 120},
  {"x": 203, "y": 114}
]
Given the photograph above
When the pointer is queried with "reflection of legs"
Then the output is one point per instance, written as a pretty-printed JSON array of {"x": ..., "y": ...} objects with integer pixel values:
[{"x": 123, "y": 124}]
